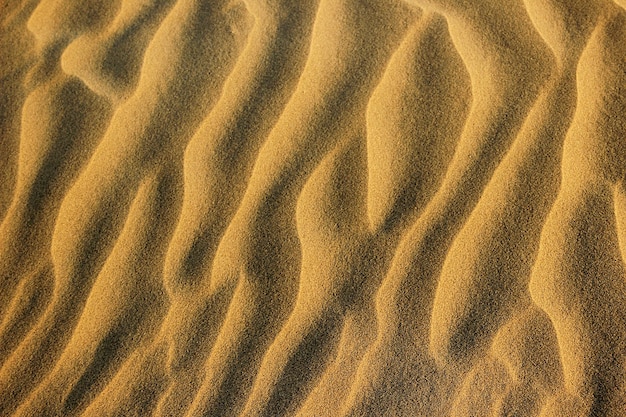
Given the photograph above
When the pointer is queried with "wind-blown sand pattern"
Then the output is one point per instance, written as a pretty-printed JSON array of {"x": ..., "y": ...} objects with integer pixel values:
[{"x": 313, "y": 208}]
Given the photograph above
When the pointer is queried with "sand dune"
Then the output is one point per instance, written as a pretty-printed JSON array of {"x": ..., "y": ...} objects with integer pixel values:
[{"x": 312, "y": 208}]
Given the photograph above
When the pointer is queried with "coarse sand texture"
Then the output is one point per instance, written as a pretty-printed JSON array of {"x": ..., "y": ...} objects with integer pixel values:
[{"x": 313, "y": 208}]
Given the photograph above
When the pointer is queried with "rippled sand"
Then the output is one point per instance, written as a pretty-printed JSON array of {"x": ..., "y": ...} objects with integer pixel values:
[{"x": 313, "y": 208}]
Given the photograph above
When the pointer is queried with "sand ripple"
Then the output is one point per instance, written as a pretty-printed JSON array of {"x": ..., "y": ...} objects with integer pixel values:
[{"x": 312, "y": 208}]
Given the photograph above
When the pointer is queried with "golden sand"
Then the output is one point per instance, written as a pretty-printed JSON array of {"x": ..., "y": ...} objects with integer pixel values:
[{"x": 334, "y": 208}]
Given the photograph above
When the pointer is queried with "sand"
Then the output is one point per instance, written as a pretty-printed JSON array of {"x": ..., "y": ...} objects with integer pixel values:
[{"x": 334, "y": 208}]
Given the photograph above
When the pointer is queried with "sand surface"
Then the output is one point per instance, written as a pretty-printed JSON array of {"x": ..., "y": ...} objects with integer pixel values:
[{"x": 335, "y": 208}]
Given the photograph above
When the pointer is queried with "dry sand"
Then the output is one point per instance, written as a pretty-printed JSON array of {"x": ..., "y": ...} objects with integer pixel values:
[{"x": 313, "y": 208}]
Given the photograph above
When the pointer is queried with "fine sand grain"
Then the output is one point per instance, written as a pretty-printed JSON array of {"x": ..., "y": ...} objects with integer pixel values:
[{"x": 313, "y": 208}]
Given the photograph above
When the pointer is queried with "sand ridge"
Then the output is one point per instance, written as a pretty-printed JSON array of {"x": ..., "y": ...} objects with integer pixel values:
[{"x": 312, "y": 208}]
